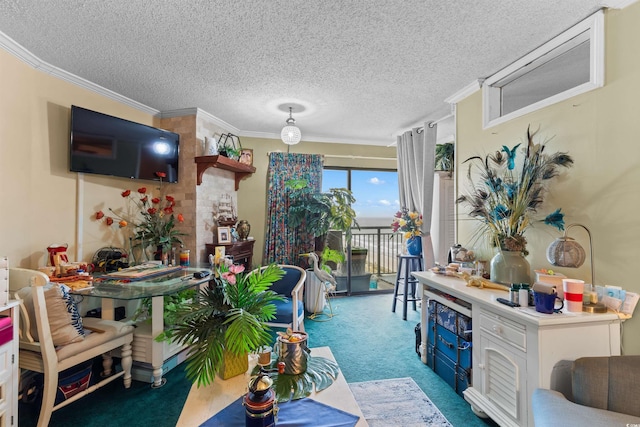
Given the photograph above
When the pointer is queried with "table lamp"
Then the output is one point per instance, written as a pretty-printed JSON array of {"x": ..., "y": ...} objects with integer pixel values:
[{"x": 566, "y": 252}]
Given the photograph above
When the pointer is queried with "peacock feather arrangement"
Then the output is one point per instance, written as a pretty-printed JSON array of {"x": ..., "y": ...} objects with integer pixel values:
[{"x": 506, "y": 192}]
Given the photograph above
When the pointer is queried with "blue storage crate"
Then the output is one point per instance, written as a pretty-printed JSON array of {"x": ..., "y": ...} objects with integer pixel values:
[
  {"x": 458, "y": 378},
  {"x": 454, "y": 347}
]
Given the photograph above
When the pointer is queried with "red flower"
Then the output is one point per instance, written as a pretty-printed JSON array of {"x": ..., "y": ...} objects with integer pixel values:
[
  {"x": 170, "y": 199},
  {"x": 168, "y": 210},
  {"x": 99, "y": 215},
  {"x": 161, "y": 174},
  {"x": 144, "y": 199},
  {"x": 109, "y": 220},
  {"x": 155, "y": 200},
  {"x": 180, "y": 218},
  {"x": 126, "y": 193},
  {"x": 142, "y": 190},
  {"x": 152, "y": 211}
]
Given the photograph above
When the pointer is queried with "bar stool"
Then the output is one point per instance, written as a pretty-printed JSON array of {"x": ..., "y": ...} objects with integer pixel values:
[{"x": 406, "y": 264}]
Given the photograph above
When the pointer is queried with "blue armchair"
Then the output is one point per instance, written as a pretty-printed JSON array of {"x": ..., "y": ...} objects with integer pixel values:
[{"x": 290, "y": 313}]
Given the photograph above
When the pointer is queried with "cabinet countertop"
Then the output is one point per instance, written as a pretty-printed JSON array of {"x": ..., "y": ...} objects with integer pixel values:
[{"x": 458, "y": 288}]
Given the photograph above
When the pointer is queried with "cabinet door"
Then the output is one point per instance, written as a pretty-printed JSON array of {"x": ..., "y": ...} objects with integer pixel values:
[{"x": 504, "y": 378}]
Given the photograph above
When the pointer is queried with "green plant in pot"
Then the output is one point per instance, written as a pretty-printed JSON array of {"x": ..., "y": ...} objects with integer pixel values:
[
  {"x": 226, "y": 319},
  {"x": 445, "y": 157},
  {"x": 320, "y": 212}
]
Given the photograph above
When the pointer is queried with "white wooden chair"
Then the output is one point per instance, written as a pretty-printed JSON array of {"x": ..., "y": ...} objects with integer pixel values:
[
  {"x": 290, "y": 313},
  {"x": 42, "y": 356}
]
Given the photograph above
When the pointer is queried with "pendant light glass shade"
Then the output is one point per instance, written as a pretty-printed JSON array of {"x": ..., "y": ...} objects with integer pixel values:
[{"x": 290, "y": 133}]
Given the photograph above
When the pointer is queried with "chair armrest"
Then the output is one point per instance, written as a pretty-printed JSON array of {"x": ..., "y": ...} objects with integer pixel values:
[
  {"x": 297, "y": 291},
  {"x": 551, "y": 408}
]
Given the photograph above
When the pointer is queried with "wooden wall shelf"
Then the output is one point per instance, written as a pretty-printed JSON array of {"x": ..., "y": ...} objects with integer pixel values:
[{"x": 241, "y": 170}]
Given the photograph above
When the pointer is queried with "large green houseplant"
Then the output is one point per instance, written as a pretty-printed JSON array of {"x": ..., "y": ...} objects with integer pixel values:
[
  {"x": 226, "y": 319},
  {"x": 321, "y": 212}
]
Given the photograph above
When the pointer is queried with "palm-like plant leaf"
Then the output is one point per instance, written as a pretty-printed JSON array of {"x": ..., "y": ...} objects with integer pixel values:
[
  {"x": 226, "y": 318},
  {"x": 321, "y": 372}
]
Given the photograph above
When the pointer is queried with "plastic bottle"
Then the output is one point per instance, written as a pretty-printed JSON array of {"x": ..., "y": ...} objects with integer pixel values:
[
  {"x": 513, "y": 293},
  {"x": 523, "y": 295}
]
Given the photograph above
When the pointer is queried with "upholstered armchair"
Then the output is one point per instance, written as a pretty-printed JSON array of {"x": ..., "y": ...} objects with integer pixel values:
[
  {"x": 591, "y": 391},
  {"x": 290, "y": 313},
  {"x": 53, "y": 338}
]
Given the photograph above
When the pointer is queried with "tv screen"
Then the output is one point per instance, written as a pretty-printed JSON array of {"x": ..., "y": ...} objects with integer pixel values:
[{"x": 107, "y": 145}]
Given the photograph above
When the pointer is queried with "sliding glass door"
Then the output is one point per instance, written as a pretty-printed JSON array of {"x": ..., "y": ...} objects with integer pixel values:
[{"x": 371, "y": 264}]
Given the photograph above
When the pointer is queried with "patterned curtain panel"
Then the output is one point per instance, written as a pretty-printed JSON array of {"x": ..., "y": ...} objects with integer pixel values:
[{"x": 283, "y": 245}]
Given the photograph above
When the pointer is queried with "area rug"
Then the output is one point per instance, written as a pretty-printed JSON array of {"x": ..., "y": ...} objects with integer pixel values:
[{"x": 396, "y": 402}]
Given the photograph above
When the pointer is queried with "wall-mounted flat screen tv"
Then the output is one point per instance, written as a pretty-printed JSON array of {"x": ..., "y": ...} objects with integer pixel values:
[{"x": 107, "y": 145}]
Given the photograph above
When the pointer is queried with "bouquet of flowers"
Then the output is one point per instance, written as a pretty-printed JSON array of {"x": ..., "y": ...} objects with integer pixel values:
[
  {"x": 153, "y": 218},
  {"x": 505, "y": 199},
  {"x": 407, "y": 222}
]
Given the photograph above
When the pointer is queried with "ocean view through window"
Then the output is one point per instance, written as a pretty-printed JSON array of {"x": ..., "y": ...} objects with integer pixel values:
[{"x": 374, "y": 246}]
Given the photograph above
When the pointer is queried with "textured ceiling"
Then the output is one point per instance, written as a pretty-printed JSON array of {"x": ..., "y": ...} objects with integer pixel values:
[{"x": 362, "y": 70}]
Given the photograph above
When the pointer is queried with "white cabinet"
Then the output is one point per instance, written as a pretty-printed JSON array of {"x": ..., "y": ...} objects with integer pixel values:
[
  {"x": 9, "y": 372},
  {"x": 515, "y": 349}
]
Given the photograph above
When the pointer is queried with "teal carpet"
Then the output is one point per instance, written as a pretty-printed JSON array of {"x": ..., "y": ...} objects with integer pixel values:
[{"x": 367, "y": 339}]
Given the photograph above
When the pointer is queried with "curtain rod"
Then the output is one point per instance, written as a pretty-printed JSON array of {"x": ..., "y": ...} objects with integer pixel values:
[
  {"x": 347, "y": 156},
  {"x": 432, "y": 123}
]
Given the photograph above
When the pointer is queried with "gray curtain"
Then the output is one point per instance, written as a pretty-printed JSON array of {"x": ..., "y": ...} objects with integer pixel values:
[{"x": 416, "y": 160}]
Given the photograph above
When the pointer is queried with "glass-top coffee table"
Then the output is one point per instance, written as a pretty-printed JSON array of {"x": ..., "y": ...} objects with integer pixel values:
[{"x": 148, "y": 355}]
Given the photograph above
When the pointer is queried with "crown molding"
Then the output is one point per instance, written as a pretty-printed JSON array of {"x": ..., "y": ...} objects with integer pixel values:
[
  {"x": 618, "y": 4},
  {"x": 17, "y": 50},
  {"x": 466, "y": 91}
]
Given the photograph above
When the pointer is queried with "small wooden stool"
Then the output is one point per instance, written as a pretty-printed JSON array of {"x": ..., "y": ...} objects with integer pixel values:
[{"x": 406, "y": 264}]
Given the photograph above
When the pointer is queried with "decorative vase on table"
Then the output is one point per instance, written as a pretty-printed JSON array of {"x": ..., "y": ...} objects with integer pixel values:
[
  {"x": 509, "y": 267},
  {"x": 414, "y": 245}
]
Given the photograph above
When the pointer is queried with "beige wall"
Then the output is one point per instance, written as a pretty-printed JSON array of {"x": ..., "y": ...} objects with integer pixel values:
[
  {"x": 252, "y": 196},
  {"x": 600, "y": 130},
  {"x": 43, "y": 203},
  {"x": 39, "y": 195}
]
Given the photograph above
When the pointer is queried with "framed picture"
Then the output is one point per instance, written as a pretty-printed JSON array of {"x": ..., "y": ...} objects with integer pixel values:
[
  {"x": 224, "y": 234},
  {"x": 246, "y": 156}
]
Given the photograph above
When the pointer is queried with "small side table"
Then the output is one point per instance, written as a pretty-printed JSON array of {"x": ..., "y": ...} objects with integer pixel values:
[{"x": 406, "y": 264}]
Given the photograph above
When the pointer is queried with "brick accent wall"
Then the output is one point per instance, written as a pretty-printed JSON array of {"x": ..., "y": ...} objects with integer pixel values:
[{"x": 198, "y": 202}]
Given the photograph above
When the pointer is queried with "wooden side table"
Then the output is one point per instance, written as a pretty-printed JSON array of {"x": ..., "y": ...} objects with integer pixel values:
[{"x": 241, "y": 251}]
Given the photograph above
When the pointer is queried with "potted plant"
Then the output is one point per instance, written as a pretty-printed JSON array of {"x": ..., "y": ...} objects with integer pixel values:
[
  {"x": 506, "y": 198},
  {"x": 152, "y": 217},
  {"x": 228, "y": 147},
  {"x": 445, "y": 157},
  {"x": 327, "y": 216},
  {"x": 226, "y": 321}
]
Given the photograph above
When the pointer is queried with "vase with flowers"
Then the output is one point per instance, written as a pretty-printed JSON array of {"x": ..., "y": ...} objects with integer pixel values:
[
  {"x": 150, "y": 217},
  {"x": 409, "y": 223},
  {"x": 226, "y": 321},
  {"x": 505, "y": 195}
]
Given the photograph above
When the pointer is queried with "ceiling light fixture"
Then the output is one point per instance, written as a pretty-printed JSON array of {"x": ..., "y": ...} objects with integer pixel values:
[{"x": 290, "y": 133}]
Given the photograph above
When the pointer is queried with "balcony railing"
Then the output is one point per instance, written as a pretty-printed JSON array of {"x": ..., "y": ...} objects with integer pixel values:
[{"x": 383, "y": 247}]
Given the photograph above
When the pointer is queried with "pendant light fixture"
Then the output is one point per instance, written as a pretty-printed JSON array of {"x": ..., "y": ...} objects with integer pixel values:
[{"x": 290, "y": 133}]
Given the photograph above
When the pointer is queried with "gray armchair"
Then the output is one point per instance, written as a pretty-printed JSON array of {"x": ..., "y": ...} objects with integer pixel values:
[{"x": 595, "y": 391}]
